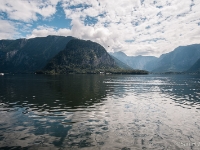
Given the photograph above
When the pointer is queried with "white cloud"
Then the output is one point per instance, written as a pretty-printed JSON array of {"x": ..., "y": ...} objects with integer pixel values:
[
  {"x": 42, "y": 31},
  {"x": 7, "y": 30},
  {"x": 153, "y": 26},
  {"x": 27, "y": 10},
  {"x": 132, "y": 20}
]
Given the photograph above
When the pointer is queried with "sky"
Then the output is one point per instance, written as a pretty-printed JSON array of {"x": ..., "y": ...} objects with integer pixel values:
[{"x": 136, "y": 27}]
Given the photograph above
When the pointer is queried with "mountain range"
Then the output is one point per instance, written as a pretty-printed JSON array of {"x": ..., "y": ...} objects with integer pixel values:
[
  {"x": 180, "y": 59},
  {"x": 59, "y": 54}
]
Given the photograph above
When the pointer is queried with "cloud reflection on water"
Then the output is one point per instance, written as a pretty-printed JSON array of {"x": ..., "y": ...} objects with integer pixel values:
[{"x": 106, "y": 112}]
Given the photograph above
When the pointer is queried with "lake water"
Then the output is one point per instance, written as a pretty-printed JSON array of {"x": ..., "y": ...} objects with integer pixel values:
[{"x": 108, "y": 112}]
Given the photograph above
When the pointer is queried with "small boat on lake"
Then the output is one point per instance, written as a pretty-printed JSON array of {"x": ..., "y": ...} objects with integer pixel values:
[{"x": 1, "y": 74}]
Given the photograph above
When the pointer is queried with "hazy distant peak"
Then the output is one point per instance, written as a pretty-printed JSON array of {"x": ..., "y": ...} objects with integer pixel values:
[
  {"x": 122, "y": 53},
  {"x": 119, "y": 53}
]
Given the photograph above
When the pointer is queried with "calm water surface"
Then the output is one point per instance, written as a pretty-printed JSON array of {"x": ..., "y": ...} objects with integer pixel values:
[{"x": 107, "y": 112}]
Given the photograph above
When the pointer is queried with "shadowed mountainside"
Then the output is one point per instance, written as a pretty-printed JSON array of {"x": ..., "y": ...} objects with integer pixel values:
[
  {"x": 29, "y": 55},
  {"x": 195, "y": 67}
]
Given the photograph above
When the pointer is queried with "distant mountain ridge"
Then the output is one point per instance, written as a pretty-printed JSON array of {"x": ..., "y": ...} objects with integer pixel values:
[
  {"x": 135, "y": 62},
  {"x": 29, "y": 55},
  {"x": 120, "y": 63},
  {"x": 179, "y": 60}
]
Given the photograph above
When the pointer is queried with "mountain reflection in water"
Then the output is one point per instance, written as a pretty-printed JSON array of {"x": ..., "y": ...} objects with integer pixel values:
[{"x": 99, "y": 112}]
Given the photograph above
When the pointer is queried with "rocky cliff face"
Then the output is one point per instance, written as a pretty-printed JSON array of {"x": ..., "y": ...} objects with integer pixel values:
[
  {"x": 81, "y": 56},
  {"x": 29, "y": 55}
]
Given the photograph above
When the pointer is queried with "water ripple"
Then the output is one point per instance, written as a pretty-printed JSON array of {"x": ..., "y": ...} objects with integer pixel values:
[{"x": 100, "y": 112}]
